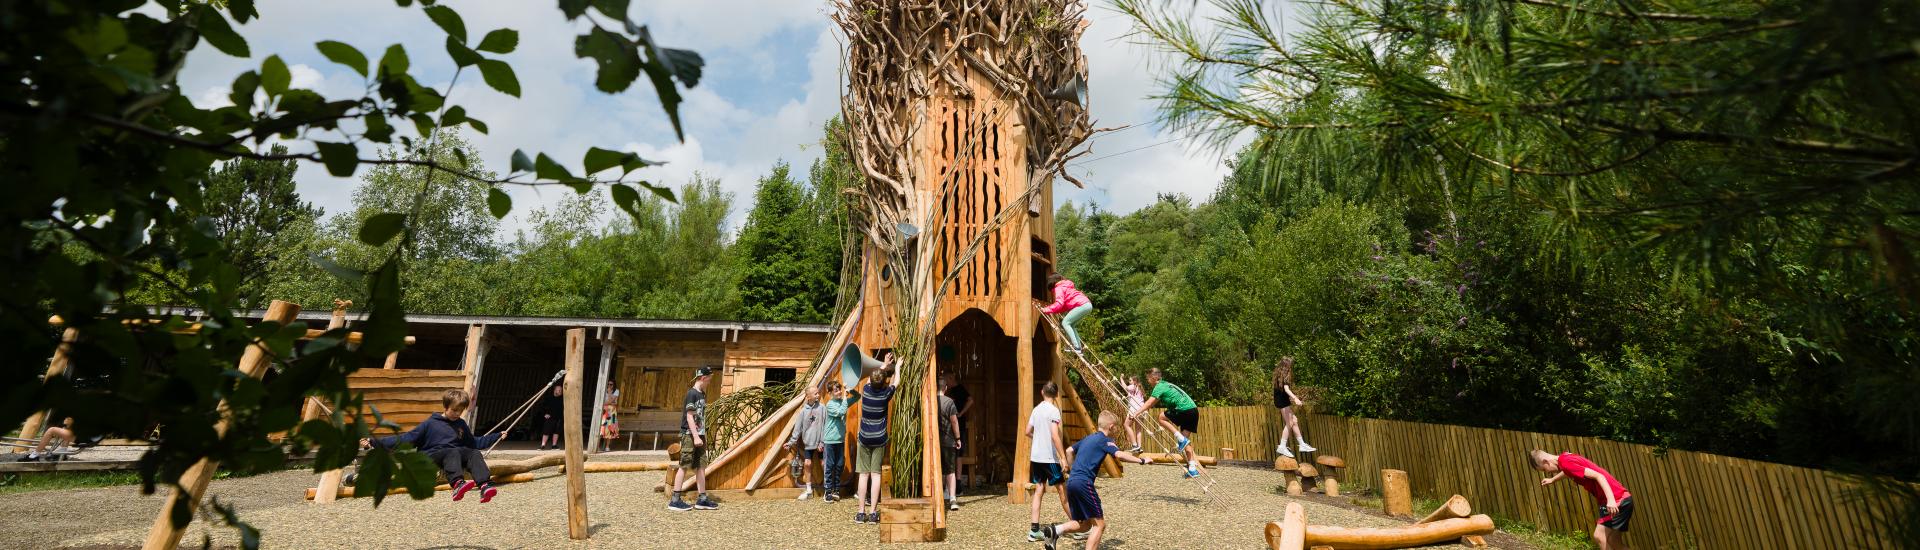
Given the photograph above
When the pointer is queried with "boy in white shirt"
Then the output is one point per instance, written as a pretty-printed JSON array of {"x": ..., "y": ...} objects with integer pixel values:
[{"x": 1043, "y": 466}]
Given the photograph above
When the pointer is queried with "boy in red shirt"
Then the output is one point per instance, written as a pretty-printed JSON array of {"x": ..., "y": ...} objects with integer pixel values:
[{"x": 1616, "y": 504}]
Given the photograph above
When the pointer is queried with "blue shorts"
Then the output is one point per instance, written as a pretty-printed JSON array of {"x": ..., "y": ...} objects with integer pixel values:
[
  {"x": 1083, "y": 501},
  {"x": 1042, "y": 473}
]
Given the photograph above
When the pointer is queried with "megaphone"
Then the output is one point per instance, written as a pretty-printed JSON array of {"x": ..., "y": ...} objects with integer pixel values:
[
  {"x": 856, "y": 364},
  {"x": 1074, "y": 90}
]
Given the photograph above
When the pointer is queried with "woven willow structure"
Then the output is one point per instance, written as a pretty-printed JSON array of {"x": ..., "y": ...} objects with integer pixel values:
[{"x": 938, "y": 84}]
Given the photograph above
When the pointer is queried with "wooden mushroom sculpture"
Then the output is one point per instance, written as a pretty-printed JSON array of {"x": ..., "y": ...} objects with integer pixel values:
[
  {"x": 1291, "y": 469},
  {"x": 1307, "y": 473},
  {"x": 1331, "y": 482}
]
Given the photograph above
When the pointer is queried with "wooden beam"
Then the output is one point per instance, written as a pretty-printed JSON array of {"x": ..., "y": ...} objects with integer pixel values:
[
  {"x": 1387, "y": 538},
  {"x": 600, "y": 392},
  {"x": 55, "y": 367},
  {"x": 576, "y": 456},
  {"x": 329, "y": 485},
  {"x": 164, "y": 535},
  {"x": 1456, "y": 507},
  {"x": 1293, "y": 535},
  {"x": 470, "y": 363},
  {"x": 393, "y": 360},
  {"x": 1023, "y": 379}
]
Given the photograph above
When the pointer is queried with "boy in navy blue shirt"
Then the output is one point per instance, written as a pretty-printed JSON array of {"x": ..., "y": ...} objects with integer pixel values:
[
  {"x": 1083, "y": 502},
  {"x": 445, "y": 438}
]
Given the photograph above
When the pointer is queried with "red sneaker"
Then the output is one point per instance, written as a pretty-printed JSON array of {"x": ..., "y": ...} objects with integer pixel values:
[
  {"x": 461, "y": 491},
  {"x": 486, "y": 495}
]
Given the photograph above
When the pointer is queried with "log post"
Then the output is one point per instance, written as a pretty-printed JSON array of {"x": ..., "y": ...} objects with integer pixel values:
[
  {"x": 1395, "y": 496},
  {"x": 471, "y": 362},
  {"x": 56, "y": 367},
  {"x": 1455, "y": 507},
  {"x": 393, "y": 360},
  {"x": 576, "y": 455},
  {"x": 1293, "y": 533},
  {"x": 600, "y": 391},
  {"x": 164, "y": 535},
  {"x": 1384, "y": 538},
  {"x": 329, "y": 487}
]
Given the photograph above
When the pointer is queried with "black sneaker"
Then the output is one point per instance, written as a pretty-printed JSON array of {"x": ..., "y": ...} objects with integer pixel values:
[
  {"x": 859, "y": 518},
  {"x": 679, "y": 505},
  {"x": 1053, "y": 536},
  {"x": 29, "y": 458},
  {"x": 705, "y": 504}
]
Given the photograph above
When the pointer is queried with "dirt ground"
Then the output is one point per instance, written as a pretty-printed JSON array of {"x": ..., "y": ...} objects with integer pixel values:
[{"x": 1150, "y": 508}]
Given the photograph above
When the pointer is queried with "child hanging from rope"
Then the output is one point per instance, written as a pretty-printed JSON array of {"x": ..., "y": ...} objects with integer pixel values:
[
  {"x": 1285, "y": 399},
  {"x": 1136, "y": 400},
  {"x": 1074, "y": 303},
  {"x": 445, "y": 438},
  {"x": 1083, "y": 502},
  {"x": 1182, "y": 416}
]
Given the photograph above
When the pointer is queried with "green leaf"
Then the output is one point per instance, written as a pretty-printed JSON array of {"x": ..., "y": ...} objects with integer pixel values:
[
  {"x": 373, "y": 477},
  {"x": 616, "y": 9},
  {"x": 619, "y": 62},
  {"x": 626, "y": 198},
  {"x": 378, "y": 129},
  {"x": 662, "y": 66},
  {"x": 454, "y": 116},
  {"x": 501, "y": 41},
  {"x": 344, "y": 54},
  {"x": 345, "y": 274},
  {"x": 461, "y": 54},
  {"x": 520, "y": 161},
  {"x": 633, "y": 162},
  {"x": 242, "y": 10},
  {"x": 243, "y": 88},
  {"x": 382, "y": 227},
  {"x": 340, "y": 158},
  {"x": 573, "y": 8},
  {"x": 601, "y": 159},
  {"x": 545, "y": 168},
  {"x": 499, "y": 75},
  {"x": 215, "y": 29},
  {"x": 274, "y": 76},
  {"x": 477, "y": 124},
  {"x": 662, "y": 192},
  {"x": 498, "y": 203},
  {"x": 418, "y": 474},
  {"x": 394, "y": 62},
  {"x": 449, "y": 21}
]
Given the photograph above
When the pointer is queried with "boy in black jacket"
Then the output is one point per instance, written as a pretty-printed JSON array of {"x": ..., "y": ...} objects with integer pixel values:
[{"x": 447, "y": 440}]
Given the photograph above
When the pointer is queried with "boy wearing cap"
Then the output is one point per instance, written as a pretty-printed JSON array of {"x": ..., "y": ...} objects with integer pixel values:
[{"x": 693, "y": 455}]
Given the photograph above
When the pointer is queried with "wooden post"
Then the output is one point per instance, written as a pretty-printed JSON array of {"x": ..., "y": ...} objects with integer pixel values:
[
  {"x": 164, "y": 535},
  {"x": 56, "y": 367},
  {"x": 393, "y": 360},
  {"x": 329, "y": 487},
  {"x": 1456, "y": 507},
  {"x": 600, "y": 391},
  {"x": 1293, "y": 528},
  {"x": 1023, "y": 379},
  {"x": 471, "y": 363},
  {"x": 1395, "y": 496},
  {"x": 576, "y": 457}
]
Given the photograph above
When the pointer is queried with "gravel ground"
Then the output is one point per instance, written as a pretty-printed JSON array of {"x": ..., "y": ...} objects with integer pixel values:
[{"x": 1150, "y": 508}]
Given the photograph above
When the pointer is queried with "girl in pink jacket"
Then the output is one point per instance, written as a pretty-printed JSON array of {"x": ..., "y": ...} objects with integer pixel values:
[{"x": 1075, "y": 304}]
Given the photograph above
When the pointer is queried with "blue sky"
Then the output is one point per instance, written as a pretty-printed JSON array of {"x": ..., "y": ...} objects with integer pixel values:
[{"x": 772, "y": 79}]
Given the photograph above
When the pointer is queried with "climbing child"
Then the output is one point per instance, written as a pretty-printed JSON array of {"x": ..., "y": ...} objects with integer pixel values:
[
  {"x": 874, "y": 399},
  {"x": 806, "y": 439},
  {"x": 693, "y": 445},
  {"x": 1070, "y": 301},
  {"x": 833, "y": 438},
  {"x": 1083, "y": 502},
  {"x": 1043, "y": 456},
  {"x": 1285, "y": 399},
  {"x": 610, "y": 418},
  {"x": 1135, "y": 401},
  {"x": 445, "y": 438},
  {"x": 1615, "y": 503},
  {"x": 1182, "y": 416}
]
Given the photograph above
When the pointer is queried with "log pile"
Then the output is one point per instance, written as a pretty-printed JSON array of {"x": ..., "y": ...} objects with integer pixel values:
[{"x": 1294, "y": 533}]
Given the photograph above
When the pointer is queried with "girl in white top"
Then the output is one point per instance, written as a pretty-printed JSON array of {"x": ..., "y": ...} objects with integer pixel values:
[{"x": 1135, "y": 398}]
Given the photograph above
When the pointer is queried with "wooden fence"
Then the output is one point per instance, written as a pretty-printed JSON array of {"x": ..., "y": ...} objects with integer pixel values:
[{"x": 1681, "y": 499}]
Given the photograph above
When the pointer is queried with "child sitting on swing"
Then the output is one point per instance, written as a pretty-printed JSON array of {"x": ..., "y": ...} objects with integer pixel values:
[
  {"x": 445, "y": 438},
  {"x": 1074, "y": 303}
]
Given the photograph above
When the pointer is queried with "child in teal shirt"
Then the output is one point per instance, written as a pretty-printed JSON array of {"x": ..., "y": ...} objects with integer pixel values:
[{"x": 834, "y": 439}]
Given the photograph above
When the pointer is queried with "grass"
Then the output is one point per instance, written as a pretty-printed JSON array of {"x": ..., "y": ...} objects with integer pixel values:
[{"x": 27, "y": 482}]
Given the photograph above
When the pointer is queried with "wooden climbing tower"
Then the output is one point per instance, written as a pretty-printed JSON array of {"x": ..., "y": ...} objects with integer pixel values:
[{"x": 961, "y": 115}]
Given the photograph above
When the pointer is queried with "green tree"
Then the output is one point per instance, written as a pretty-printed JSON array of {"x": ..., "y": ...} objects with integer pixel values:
[
  {"x": 252, "y": 205},
  {"x": 110, "y": 158},
  {"x": 787, "y": 276}
]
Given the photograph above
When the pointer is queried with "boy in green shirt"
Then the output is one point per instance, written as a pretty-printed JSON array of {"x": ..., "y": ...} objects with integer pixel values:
[{"x": 1182, "y": 416}]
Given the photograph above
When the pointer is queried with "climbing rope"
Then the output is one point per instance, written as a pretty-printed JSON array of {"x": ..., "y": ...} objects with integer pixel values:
[{"x": 513, "y": 418}]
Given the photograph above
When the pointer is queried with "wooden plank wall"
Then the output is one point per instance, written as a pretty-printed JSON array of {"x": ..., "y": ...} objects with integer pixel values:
[
  {"x": 404, "y": 396},
  {"x": 1682, "y": 499}
]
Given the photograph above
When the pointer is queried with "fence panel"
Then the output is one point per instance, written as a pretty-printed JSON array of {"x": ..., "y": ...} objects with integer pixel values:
[{"x": 1682, "y": 499}]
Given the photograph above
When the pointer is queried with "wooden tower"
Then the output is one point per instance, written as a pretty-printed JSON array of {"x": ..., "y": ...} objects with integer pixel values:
[{"x": 961, "y": 115}]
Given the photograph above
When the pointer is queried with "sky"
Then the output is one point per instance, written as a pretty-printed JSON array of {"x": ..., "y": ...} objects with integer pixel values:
[{"x": 772, "y": 79}]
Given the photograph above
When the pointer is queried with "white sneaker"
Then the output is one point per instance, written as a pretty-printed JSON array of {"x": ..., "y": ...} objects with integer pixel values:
[
  {"x": 1305, "y": 448},
  {"x": 805, "y": 494},
  {"x": 1283, "y": 451}
]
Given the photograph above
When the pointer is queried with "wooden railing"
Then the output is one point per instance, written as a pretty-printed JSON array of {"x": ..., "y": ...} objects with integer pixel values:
[{"x": 1682, "y": 499}]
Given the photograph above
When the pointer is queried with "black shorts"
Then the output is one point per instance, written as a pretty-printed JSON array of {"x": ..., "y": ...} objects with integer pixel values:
[
  {"x": 1619, "y": 520},
  {"x": 553, "y": 425},
  {"x": 1042, "y": 473},
  {"x": 1186, "y": 419}
]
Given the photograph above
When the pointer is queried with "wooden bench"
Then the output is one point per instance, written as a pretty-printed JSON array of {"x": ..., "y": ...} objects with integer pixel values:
[{"x": 655, "y": 421}]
